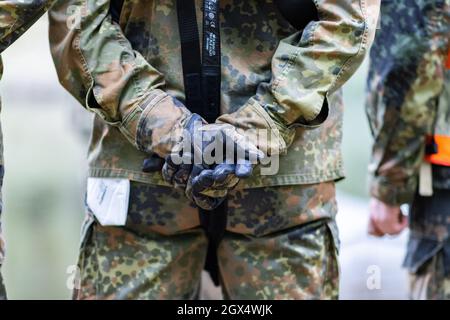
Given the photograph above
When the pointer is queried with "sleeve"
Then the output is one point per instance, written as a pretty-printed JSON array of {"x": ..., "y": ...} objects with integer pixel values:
[
  {"x": 307, "y": 67},
  {"x": 406, "y": 77},
  {"x": 98, "y": 66},
  {"x": 17, "y": 16}
]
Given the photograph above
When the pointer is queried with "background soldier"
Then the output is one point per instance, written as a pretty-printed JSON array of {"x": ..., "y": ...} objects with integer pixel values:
[
  {"x": 408, "y": 108},
  {"x": 122, "y": 60},
  {"x": 15, "y": 18}
]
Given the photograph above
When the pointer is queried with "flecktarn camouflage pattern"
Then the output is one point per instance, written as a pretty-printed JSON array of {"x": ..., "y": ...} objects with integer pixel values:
[
  {"x": 428, "y": 252},
  {"x": 432, "y": 281},
  {"x": 281, "y": 243},
  {"x": 16, "y": 16},
  {"x": 408, "y": 98},
  {"x": 2, "y": 241},
  {"x": 125, "y": 66},
  {"x": 275, "y": 74},
  {"x": 406, "y": 81}
]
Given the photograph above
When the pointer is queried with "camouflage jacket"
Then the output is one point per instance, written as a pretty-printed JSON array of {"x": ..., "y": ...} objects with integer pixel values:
[
  {"x": 15, "y": 18},
  {"x": 408, "y": 94},
  {"x": 124, "y": 68}
]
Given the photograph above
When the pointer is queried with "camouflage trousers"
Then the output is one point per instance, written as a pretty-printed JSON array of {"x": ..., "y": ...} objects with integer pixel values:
[
  {"x": 428, "y": 252},
  {"x": 2, "y": 289},
  {"x": 280, "y": 243},
  {"x": 2, "y": 254},
  {"x": 2, "y": 242},
  {"x": 431, "y": 283}
]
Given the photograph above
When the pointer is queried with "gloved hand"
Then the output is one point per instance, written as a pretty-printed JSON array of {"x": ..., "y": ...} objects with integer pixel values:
[
  {"x": 209, "y": 187},
  {"x": 160, "y": 130},
  {"x": 210, "y": 161},
  {"x": 251, "y": 131}
]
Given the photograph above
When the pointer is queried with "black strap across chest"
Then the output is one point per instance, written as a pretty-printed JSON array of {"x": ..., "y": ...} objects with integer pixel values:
[
  {"x": 202, "y": 78},
  {"x": 201, "y": 63}
]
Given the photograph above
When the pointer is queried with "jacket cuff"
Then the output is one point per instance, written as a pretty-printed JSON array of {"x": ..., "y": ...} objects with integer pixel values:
[
  {"x": 269, "y": 134},
  {"x": 157, "y": 124},
  {"x": 393, "y": 194},
  {"x": 284, "y": 110}
]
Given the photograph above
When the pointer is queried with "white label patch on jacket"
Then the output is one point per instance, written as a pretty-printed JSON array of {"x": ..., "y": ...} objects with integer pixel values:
[
  {"x": 108, "y": 200},
  {"x": 425, "y": 180}
]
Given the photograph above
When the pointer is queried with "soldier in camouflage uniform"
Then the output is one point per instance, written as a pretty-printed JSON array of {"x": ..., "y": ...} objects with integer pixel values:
[
  {"x": 15, "y": 18},
  {"x": 408, "y": 99},
  {"x": 281, "y": 238}
]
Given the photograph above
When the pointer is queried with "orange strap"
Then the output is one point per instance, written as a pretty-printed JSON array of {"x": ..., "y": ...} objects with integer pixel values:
[
  {"x": 447, "y": 65},
  {"x": 443, "y": 156}
]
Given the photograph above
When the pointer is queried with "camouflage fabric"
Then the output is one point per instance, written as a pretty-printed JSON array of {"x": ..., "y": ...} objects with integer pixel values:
[
  {"x": 408, "y": 98},
  {"x": 430, "y": 217},
  {"x": 281, "y": 243},
  {"x": 16, "y": 17},
  {"x": 407, "y": 87},
  {"x": 126, "y": 69},
  {"x": 431, "y": 282},
  {"x": 2, "y": 289},
  {"x": 2, "y": 242},
  {"x": 441, "y": 174},
  {"x": 428, "y": 251}
]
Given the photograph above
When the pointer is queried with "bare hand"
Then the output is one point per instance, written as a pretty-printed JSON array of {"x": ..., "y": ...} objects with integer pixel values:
[{"x": 385, "y": 219}]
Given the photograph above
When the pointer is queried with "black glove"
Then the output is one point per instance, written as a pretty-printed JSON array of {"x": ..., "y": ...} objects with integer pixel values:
[{"x": 196, "y": 166}]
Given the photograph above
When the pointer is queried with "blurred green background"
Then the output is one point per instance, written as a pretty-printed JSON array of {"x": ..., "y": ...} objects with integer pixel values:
[{"x": 45, "y": 134}]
